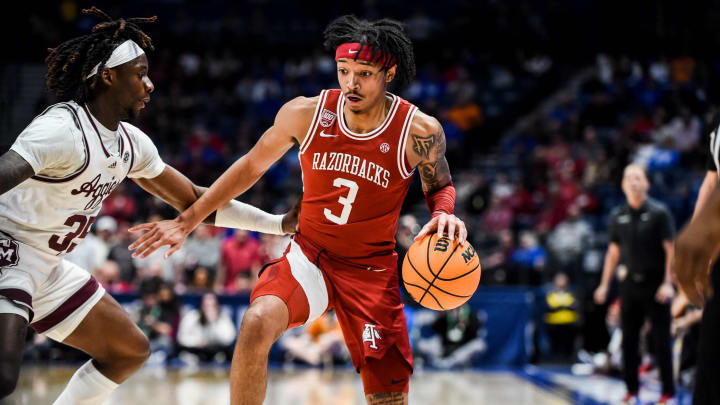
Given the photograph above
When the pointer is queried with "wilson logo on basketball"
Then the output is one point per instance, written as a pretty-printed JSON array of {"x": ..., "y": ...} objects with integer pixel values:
[
  {"x": 384, "y": 148},
  {"x": 327, "y": 118},
  {"x": 8, "y": 253},
  {"x": 442, "y": 245}
]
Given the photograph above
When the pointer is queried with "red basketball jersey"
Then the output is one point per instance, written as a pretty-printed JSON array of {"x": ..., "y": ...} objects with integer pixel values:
[{"x": 354, "y": 184}]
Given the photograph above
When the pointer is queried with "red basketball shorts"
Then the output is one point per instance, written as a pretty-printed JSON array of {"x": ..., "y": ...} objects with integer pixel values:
[{"x": 366, "y": 299}]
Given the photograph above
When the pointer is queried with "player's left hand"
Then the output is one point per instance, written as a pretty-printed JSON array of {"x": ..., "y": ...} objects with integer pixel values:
[
  {"x": 455, "y": 227},
  {"x": 691, "y": 264},
  {"x": 665, "y": 293}
]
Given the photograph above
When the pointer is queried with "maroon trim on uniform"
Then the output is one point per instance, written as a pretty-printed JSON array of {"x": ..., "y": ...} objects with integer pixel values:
[
  {"x": 68, "y": 307},
  {"x": 96, "y": 131},
  {"x": 87, "y": 155},
  {"x": 19, "y": 296},
  {"x": 132, "y": 148}
]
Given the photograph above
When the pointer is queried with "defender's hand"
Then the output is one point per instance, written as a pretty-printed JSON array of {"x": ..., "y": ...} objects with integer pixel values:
[
  {"x": 455, "y": 227},
  {"x": 170, "y": 232},
  {"x": 692, "y": 265}
]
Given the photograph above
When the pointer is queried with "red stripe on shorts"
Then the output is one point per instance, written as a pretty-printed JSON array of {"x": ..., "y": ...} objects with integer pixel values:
[{"x": 68, "y": 307}]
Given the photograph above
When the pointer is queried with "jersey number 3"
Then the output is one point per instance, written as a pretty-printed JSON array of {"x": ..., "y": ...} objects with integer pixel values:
[
  {"x": 67, "y": 245},
  {"x": 345, "y": 201}
]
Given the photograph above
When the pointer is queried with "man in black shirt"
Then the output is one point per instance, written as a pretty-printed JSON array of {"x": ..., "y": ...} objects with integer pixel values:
[{"x": 641, "y": 234}]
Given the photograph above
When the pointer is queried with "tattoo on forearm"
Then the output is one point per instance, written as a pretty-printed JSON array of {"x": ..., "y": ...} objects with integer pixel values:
[
  {"x": 423, "y": 144},
  {"x": 13, "y": 171},
  {"x": 387, "y": 398},
  {"x": 434, "y": 174}
]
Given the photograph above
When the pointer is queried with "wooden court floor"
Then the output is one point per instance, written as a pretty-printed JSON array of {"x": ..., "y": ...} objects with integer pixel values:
[{"x": 160, "y": 386}]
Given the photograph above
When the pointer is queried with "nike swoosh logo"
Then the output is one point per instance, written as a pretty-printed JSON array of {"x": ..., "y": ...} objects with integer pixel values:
[
  {"x": 377, "y": 270},
  {"x": 350, "y": 51},
  {"x": 394, "y": 381},
  {"x": 324, "y": 135}
]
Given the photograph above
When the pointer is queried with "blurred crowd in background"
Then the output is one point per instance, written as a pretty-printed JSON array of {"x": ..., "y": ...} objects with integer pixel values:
[{"x": 542, "y": 107}]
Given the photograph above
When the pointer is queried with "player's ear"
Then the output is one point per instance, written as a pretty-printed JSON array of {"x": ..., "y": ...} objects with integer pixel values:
[
  {"x": 107, "y": 76},
  {"x": 390, "y": 74}
]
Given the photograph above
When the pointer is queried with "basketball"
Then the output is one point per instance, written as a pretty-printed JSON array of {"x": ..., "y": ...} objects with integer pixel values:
[{"x": 441, "y": 274}]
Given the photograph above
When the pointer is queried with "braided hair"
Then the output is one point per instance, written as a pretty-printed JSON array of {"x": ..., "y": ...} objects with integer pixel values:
[
  {"x": 72, "y": 61},
  {"x": 386, "y": 36}
]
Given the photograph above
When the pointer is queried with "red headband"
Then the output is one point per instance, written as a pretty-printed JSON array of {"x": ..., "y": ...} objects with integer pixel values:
[{"x": 358, "y": 51}]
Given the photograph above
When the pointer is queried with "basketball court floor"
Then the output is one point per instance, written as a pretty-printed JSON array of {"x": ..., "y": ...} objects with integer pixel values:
[{"x": 160, "y": 386}]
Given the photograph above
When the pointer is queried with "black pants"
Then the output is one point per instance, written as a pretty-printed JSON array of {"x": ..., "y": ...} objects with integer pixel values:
[
  {"x": 707, "y": 379},
  {"x": 638, "y": 303}
]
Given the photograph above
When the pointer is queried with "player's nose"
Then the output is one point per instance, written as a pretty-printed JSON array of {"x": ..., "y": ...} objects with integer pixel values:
[
  {"x": 352, "y": 81},
  {"x": 149, "y": 86}
]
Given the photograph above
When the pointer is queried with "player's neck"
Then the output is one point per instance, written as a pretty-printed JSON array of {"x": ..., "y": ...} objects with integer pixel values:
[
  {"x": 104, "y": 113},
  {"x": 367, "y": 120}
]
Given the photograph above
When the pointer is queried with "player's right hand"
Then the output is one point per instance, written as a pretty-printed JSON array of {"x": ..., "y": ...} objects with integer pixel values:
[
  {"x": 157, "y": 234},
  {"x": 600, "y": 294}
]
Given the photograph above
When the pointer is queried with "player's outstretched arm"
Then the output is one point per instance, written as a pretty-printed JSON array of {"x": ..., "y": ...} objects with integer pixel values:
[
  {"x": 426, "y": 151},
  {"x": 696, "y": 246},
  {"x": 13, "y": 171},
  {"x": 290, "y": 125},
  {"x": 178, "y": 191}
]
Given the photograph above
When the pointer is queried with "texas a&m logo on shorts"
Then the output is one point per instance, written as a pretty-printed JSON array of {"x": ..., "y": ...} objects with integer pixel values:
[
  {"x": 326, "y": 118},
  {"x": 8, "y": 252},
  {"x": 370, "y": 334}
]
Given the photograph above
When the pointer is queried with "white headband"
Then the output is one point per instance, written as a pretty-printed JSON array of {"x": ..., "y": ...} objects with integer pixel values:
[{"x": 124, "y": 53}]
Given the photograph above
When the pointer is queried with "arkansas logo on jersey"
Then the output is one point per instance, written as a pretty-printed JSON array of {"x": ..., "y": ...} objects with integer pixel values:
[
  {"x": 8, "y": 252},
  {"x": 370, "y": 334},
  {"x": 327, "y": 118}
]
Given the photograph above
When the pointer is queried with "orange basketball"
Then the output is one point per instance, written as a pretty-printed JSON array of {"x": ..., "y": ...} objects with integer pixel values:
[{"x": 441, "y": 274}]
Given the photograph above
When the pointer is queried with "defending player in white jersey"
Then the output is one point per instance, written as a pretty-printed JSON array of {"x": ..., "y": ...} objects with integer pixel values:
[{"x": 52, "y": 185}]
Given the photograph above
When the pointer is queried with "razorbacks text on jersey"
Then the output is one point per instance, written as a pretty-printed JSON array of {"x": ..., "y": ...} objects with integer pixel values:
[
  {"x": 354, "y": 184},
  {"x": 74, "y": 172}
]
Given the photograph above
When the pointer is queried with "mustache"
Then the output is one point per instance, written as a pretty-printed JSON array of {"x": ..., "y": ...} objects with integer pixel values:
[{"x": 353, "y": 93}]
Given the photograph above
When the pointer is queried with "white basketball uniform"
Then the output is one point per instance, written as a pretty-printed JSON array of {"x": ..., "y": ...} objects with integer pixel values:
[{"x": 77, "y": 164}]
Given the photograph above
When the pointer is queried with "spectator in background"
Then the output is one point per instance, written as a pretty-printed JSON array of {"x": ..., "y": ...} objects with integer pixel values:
[
  {"x": 154, "y": 322},
  {"x": 93, "y": 251},
  {"x": 498, "y": 217},
  {"x": 528, "y": 261},
  {"x": 568, "y": 241},
  {"x": 457, "y": 341},
  {"x": 561, "y": 318},
  {"x": 207, "y": 332},
  {"x": 120, "y": 255},
  {"x": 202, "y": 249},
  {"x": 241, "y": 262}
]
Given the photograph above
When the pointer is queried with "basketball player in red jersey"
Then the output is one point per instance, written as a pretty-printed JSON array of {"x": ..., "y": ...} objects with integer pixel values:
[{"x": 359, "y": 146}]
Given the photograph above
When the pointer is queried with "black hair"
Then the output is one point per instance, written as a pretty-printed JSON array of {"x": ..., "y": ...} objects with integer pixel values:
[
  {"x": 70, "y": 62},
  {"x": 386, "y": 36}
]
